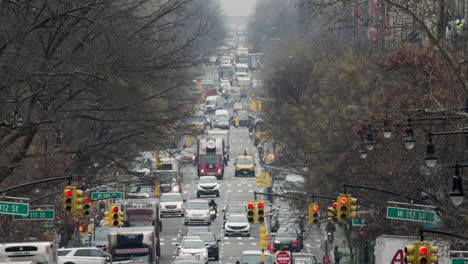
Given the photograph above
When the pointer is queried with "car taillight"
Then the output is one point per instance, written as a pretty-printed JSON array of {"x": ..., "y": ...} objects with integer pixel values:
[
  {"x": 202, "y": 170},
  {"x": 295, "y": 243}
]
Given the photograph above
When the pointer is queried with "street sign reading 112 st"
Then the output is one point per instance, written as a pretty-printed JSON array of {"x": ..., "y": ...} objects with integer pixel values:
[
  {"x": 14, "y": 208},
  {"x": 37, "y": 215},
  {"x": 410, "y": 214}
]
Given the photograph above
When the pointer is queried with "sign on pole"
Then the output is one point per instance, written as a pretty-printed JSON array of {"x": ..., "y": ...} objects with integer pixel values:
[
  {"x": 104, "y": 195},
  {"x": 410, "y": 214},
  {"x": 36, "y": 215},
  {"x": 14, "y": 208},
  {"x": 326, "y": 260},
  {"x": 358, "y": 222},
  {"x": 283, "y": 257},
  {"x": 460, "y": 261}
]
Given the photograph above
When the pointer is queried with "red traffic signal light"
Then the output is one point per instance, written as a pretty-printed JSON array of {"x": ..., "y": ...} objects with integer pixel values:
[
  {"x": 86, "y": 200},
  {"x": 261, "y": 205},
  {"x": 422, "y": 250},
  {"x": 68, "y": 193},
  {"x": 315, "y": 208},
  {"x": 343, "y": 200},
  {"x": 335, "y": 205},
  {"x": 250, "y": 206},
  {"x": 115, "y": 209}
]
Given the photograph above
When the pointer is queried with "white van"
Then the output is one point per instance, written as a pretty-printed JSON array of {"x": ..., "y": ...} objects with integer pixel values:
[
  {"x": 37, "y": 252},
  {"x": 294, "y": 184},
  {"x": 214, "y": 102},
  {"x": 221, "y": 119}
]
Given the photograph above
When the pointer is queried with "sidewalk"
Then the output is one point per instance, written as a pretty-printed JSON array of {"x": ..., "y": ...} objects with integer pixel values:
[{"x": 342, "y": 244}]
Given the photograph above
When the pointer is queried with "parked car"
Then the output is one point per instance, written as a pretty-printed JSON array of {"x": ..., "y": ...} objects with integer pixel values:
[
  {"x": 171, "y": 204},
  {"x": 213, "y": 246},
  {"x": 193, "y": 246},
  {"x": 289, "y": 238},
  {"x": 253, "y": 257},
  {"x": 304, "y": 258},
  {"x": 83, "y": 255},
  {"x": 197, "y": 211},
  {"x": 237, "y": 225},
  {"x": 208, "y": 185}
]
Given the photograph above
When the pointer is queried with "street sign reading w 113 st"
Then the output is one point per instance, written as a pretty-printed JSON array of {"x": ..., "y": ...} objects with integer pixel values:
[
  {"x": 410, "y": 214},
  {"x": 14, "y": 208}
]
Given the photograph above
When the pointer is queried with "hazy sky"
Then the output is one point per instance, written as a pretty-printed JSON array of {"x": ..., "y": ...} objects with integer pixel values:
[{"x": 238, "y": 7}]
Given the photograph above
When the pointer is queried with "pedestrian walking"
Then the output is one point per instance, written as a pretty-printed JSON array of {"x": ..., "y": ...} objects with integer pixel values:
[{"x": 337, "y": 255}]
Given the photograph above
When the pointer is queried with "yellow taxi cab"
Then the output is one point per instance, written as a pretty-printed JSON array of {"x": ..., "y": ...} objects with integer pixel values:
[{"x": 244, "y": 165}]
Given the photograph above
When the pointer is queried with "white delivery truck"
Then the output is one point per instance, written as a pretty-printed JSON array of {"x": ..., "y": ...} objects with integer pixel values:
[
  {"x": 134, "y": 245},
  {"x": 214, "y": 102},
  {"x": 391, "y": 249}
]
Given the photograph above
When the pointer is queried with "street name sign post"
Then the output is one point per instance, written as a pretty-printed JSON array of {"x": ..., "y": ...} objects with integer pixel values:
[
  {"x": 357, "y": 222},
  {"x": 410, "y": 214},
  {"x": 104, "y": 195},
  {"x": 14, "y": 208},
  {"x": 283, "y": 257},
  {"x": 36, "y": 215}
]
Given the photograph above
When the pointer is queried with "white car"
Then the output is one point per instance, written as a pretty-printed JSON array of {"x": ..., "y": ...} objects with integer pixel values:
[
  {"x": 83, "y": 255},
  {"x": 197, "y": 211},
  {"x": 193, "y": 246},
  {"x": 208, "y": 185},
  {"x": 236, "y": 225},
  {"x": 171, "y": 204}
]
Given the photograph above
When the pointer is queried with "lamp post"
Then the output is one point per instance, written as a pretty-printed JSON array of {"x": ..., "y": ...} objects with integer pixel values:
[{"x": 456, "y": 194}]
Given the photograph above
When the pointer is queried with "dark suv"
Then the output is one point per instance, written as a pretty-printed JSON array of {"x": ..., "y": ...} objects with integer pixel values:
[
  {"x": 213, "y": 246},
  {"x": 288, "y": 238}
]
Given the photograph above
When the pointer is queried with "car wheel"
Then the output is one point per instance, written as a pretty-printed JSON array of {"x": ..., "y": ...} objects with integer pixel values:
[
  {"x": 247, "y": 235},
  {"x": 217, "y": 194},
  {"x": 68, "y": 263},
  {"x": 182, "y": 215},
  {"x": 216, "y": 257},
  {"x": 198, "y": 195},
  {"x": 185, "y": 223}
]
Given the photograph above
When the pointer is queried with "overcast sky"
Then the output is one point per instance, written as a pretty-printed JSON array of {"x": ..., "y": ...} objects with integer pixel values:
[{"x": 238, "y": 7}]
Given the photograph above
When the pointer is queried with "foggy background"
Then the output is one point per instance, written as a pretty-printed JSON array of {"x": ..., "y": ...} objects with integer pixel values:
[{"x": 238, "y": 7}]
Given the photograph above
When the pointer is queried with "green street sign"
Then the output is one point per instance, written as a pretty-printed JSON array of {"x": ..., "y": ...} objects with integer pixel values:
[
  {"x": 37, "y": 215},
  {"x": 358, "y": 222},
  {"x": 410, "y": 214},
  {"x": 104, "y": 195},
  {"x": 14, "y": 208},
  {"x": 460, "y": 261},
  {"x": 48, "y": 224}
]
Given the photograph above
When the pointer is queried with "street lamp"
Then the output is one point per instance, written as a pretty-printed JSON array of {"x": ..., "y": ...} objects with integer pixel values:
[
  {"x": 409, "y": 138},
  {"x": 457, "y": 195},
  {"x": 386, "y": 131},
  {"x": 369, "y": 141},
  {"x": 431, "y": 158}
]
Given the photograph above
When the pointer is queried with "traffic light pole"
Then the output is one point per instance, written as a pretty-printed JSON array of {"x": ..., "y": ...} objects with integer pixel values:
[
  {"x": 380, "y": 190},
  {"x": 422, "y": 231}
]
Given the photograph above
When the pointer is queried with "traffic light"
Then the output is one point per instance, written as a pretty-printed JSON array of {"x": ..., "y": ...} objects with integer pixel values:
[
  {"x": 352, "y": 207},
  {"x": 158, "y": 160},
  {"x": 263, "y": 237},
  {"x": 412, "y": 253},
  {"x": 425, "y": 253},
  {"x": 251, "y": 212},
  {"x": 332, "y": 213},
  {"x": 77, "y": 202},
  {"x": 86, "y": 205},
  {"x": 68, "y": 198},
  {"x": 260, "y": 212},
  {"x": 260, "y": 180},
  {"x": 342, "y": 211},
  {"x": 267, "y": 179},
  {"x": 114, "y": 217},
  {"x": 313, "y": 213}
]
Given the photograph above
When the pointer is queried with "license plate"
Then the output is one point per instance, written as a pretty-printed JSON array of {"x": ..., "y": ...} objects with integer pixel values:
[
  {"x": 245, "y": 172},
  {"x": 286, "y": 246}
]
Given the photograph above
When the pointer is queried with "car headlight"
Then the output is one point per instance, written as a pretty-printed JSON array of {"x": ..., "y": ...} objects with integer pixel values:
[
  {"x": 179, "y": 206},
  {"x": 277, "y": 242},
  {"x": 219, "y": 170},
  {"x": 176, "y": 188},
  {"x": 202, "y": 170}
]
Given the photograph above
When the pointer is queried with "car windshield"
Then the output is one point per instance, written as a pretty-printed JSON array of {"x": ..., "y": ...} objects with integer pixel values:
[
  {"x": 237, "y": 219},
  {"x": 211, "y": 102},
  {"x": 221, "y": 119},
  {"x": 194, "y": 230},
  {"x": 243, "y": 116},
  {"x": 208, "y": 180},
  {"x": 167, "y": 175},
  {"x": 293, "y": 186},
  {"x": 242, "y": 60},
  {"x": 171, "y": 197},
  {"x": 236, "y": 209},
  {"x": 286, "y": 233},
  {"x": 210, "y": 159},
  {"x": 255, "y": 259},
  {"x": 192, "y": 244},
  {"x": 244, "y": 161},
  {"x": 241, "y": 69},
  {"x": 207, "y": 237},
  {"x": 304, "y": 261},
  {"x": 198, "y": 205},
  {"x": 141, "y": 189}
]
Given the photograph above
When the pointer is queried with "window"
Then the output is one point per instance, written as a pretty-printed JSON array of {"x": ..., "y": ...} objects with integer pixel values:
[
  {"x": 244, "y": 161},
  {"x": 83, "y": 253},
  {"x": 96, "y": 253},
  {"x": 171, "y": 198},
  {"x": 198, "y": 206},
  {"x": 210, "y": 159},
  {"x": 62, "y": 253}
]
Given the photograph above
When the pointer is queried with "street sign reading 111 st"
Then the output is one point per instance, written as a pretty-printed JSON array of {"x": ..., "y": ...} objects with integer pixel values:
[
  {"x": 410, "y": 214},
  {"x": 37, "y": 215},
  {"x": 14, "y": 208}
]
